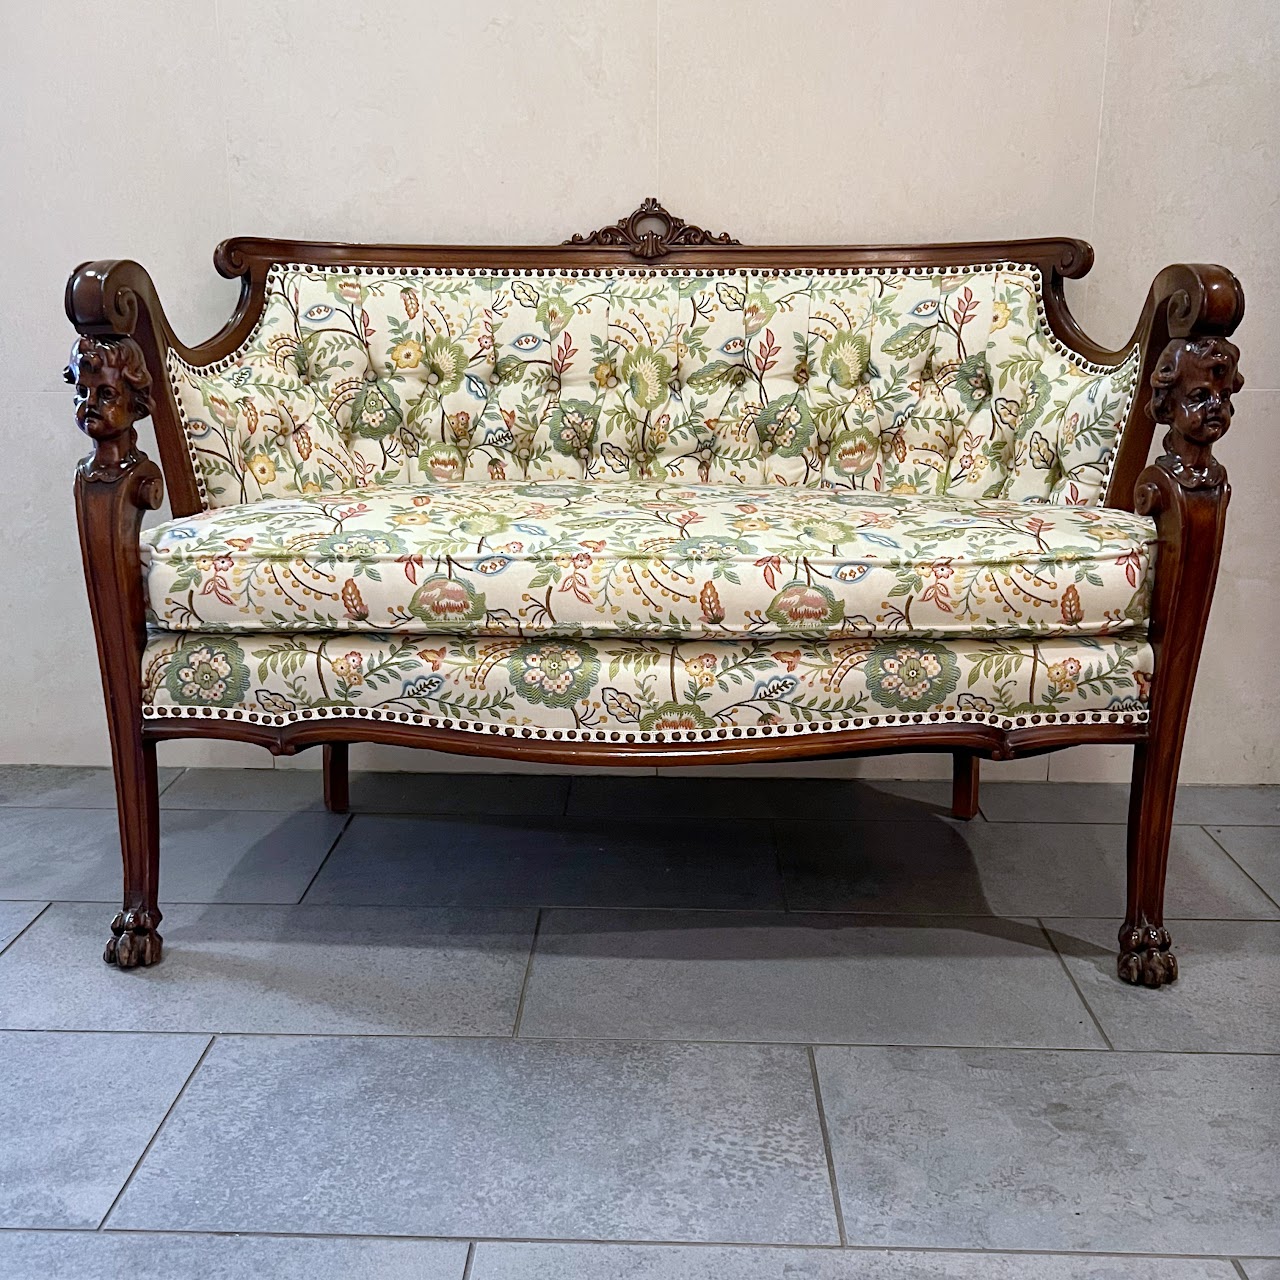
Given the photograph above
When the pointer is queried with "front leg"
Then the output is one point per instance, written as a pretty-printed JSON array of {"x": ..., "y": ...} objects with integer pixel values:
[
  {"x": 1186, "y": 491},
  {"x": 114, "y": 485}
]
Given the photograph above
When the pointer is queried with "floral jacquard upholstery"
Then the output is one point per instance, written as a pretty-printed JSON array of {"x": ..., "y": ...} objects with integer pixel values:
[
  {"x": 638, "y": 559},
  {"x": 925, "y": 381},
  {"x": 637, "y": 690},
  {"x": 651, "y": 505}
]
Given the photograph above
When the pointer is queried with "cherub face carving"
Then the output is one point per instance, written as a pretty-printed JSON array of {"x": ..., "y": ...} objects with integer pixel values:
[
  {"x": 112, "y": 386},
  {"x": 1192, "y": 388}
]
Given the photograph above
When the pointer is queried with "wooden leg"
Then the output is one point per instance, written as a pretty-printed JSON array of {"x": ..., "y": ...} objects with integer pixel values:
[
  {"x": 135, "y": 939},
  {"x": 964, "y": 785},
  {"x": 1145, "y": 959},
  {"x": 337, "y": 795}
]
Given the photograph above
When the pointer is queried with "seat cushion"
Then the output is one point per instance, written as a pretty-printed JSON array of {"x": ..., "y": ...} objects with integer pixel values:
[
  {"x": 616, "y": 690},
  {"x": 635, "y": 559}
]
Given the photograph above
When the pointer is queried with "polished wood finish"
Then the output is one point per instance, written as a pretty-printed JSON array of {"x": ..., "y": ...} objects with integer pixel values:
[
  {"x": 1186, "y": 491},
  {"x": 337, "y": 792},
  {"x": 114, "y": 486},
  {"x": 964, "y": 785},
  {"x": 1189, "y": 312}
]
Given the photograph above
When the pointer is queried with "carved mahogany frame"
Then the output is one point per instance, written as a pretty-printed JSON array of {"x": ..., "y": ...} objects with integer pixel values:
[{"x": 124, "y": 334}]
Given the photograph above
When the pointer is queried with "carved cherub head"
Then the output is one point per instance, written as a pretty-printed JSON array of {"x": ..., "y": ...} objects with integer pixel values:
[
  {"x": 112, "y": 386},
  {"x": 1192, "y": 387}
]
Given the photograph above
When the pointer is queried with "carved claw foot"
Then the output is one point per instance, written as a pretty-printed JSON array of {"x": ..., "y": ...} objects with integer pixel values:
[
  {"x": 1145, "y": 959},
  {"x": 134, "y": 941}
]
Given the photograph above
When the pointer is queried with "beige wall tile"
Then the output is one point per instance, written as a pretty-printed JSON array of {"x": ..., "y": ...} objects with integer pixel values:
[
  {"x": 113, "y": 146},
  {"x": 471, "y": 122},
  {"x": 1189, "y": 163},
  {"x": 806, "y": 121}
]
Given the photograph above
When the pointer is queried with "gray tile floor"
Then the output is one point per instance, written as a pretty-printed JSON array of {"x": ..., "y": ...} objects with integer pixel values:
[{"x": 635, "y": 1028}]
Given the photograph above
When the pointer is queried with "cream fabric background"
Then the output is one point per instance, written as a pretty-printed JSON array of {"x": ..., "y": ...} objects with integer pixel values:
[{"x": 151, "y": 130}]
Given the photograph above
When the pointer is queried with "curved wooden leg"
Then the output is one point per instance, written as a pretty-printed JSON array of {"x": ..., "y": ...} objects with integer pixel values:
[
  {"x": 337, "y": 795},
  {"x": 135, "y": 938},
  {"x": 964, "y": 785},
  {"x": 1145, "y": 959}
]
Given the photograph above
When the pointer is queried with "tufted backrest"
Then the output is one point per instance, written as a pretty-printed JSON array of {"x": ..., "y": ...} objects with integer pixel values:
[{"x": 927, "y": 380}]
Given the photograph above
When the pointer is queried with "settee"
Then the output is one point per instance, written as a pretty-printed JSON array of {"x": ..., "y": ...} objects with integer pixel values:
[{"x": 654, "y": 497}]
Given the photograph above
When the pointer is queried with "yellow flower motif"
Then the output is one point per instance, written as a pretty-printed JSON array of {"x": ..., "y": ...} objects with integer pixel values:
[
  {"x": 1062, "y": 675},
  {"x": 702, "y": 669},
  {"x": 602, "y": 373},
  {"x": 411, "y": 517},
  {"x": 407, "y": 355},
  {"x": 1001, "y": 317},
  {"x": 262, "y": 468},
  {"x": 750, "y": 524},
  {"x": 310, "y": 486}
]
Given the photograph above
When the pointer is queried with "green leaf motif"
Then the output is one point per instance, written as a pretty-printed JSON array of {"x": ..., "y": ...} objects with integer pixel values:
[
  {"x": 909, "y": 341},
  {"x": 733, "y": 296},
  {"x": 524, "y": 293}
]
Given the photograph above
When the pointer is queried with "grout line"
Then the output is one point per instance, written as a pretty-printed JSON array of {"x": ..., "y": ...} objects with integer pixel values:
[
  {"x": 632, "y": 908},
  {"x": 528, "y": 971},
  {"x": 471, "y": 1257},
  {"x": 602, "y": 1242},
  {"x": 342, "y": 831},
  {"x": 1240, "y": 1271},
  {"x": 495, "y": 1037},
  {"x": 204, "y": 1053},
  {"x": 177, "y": 777},
  {"x": 1106, "y": 1039},
  {"x": 1102, "y": 118},
  {"x": 826, "y": 1145},
  {"x": 26, "y": 926},
  {"x": 1237, "y": 863}
]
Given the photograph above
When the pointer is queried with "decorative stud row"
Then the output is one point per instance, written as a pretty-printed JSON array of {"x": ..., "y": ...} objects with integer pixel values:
[
  {"x": 621, "y": 736},
  {"x": 276, "y": 273}
]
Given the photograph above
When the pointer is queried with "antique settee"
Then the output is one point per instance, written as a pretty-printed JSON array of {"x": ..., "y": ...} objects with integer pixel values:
[{"x": 654, "y": 497}]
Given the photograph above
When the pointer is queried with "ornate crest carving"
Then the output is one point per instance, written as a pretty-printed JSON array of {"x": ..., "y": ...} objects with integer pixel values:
[{"x": 651, "y": 232}]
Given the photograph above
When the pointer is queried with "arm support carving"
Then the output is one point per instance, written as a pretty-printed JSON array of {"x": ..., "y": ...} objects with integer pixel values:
[
  {"x": 113, "y": 305},
  {"x": 1187, "y": 300},
  {"x": 114, "y": 485},
  {"x": 1186, "y": 491}
]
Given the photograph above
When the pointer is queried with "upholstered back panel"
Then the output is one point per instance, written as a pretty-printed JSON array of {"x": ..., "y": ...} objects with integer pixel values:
[{"x": 919, "y": 381}]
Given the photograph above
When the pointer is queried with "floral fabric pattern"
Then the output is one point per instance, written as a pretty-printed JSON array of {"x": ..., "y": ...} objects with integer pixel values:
[
  {"x": 643, "y": 690},
  {"x": 651, "y": 560},
  {"x": 918, "y": 381}
]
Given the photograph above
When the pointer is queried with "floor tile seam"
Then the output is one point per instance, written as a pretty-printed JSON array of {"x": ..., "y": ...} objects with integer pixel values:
[
  {"x": 1237, "y": 863},
  {"x": 624, "y": 908},
  {"x": 1071, "y": 978},
  {"x": 653, "y": 1042},
  {"x": 636, "y": 1242},
  {"x": 1239, "y": 1269},
  {"x": 827, "y": 1150},
  {"x": 528, "y": 973},
  {"x": 181, "y": 773},
  {"x": 471, "y": 1258},
  {"x": 191, "y": 1075},
  {"x": 315, "y": 875},
  {"x": 29, "y": 923}
]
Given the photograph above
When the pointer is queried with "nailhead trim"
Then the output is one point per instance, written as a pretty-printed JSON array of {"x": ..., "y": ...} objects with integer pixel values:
[
  {"x": 276, "y": 274},
  {"x": 165, "y": 712}
]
